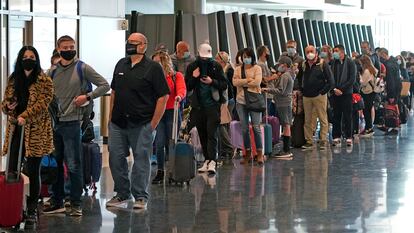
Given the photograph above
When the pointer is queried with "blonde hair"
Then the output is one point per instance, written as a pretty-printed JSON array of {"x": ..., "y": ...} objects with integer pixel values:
[
  {"x": 165, "y": 61},
  {"x": 226, "y": 59}
]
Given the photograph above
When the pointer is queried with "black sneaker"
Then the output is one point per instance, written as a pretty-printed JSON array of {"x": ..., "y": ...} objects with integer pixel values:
[
  {"x": 159, "y": 178},
  {"x": 30, "y": 221},
  {"x": 307, "y": 146},
  {"x": 76, "y": 211},
  {"x": 54, "y": 209},
  {"x": 283, "y": 155}
]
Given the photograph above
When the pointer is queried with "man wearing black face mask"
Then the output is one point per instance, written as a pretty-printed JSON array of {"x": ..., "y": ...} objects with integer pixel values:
[
  {"x": 72, "y": 82},
  {"x": 138, "y": 100}
]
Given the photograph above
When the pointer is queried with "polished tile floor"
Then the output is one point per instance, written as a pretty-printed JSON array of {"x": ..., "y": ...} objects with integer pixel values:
[{"x": 367, "y": 188}]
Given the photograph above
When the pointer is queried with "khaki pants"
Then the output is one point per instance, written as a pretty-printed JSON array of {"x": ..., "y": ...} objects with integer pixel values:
[{"x": 315, "y": 107}]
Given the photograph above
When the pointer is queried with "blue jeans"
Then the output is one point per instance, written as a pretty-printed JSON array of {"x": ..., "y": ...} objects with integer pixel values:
[
  {"x": 67, "y": 142},
  {"x": 140, "y": 140},
  {"x": 164, "y": 135},
  {"x": 256, "y": 118}
]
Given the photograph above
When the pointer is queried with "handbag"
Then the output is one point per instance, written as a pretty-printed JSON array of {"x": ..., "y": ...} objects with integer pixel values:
[{"x": 255, "y": 102}]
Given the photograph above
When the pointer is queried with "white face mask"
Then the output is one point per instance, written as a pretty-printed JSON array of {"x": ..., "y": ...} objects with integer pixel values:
[{"x": 310, "y": 56}]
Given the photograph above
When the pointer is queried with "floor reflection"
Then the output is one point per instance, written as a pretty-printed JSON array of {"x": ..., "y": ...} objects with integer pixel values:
[{"x": 366, "y": 188}]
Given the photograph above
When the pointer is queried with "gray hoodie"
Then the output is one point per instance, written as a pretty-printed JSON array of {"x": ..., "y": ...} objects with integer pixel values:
[
  {"x": 282, "y": 91},
  {"x": 68, "y": 85}
]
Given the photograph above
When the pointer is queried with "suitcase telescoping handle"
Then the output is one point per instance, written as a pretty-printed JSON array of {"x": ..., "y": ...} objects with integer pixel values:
[
  {"x": 16, "y": 177},
  {"x": 266, "y": 112},
  {"x": 174, "y": 136}
]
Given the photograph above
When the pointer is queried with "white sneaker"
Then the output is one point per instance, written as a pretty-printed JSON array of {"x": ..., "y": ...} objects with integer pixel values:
[
  {"x": 336, "y": 142},
  {"x": 212, "y": 167},
  {"x": 204, "y": 168}
]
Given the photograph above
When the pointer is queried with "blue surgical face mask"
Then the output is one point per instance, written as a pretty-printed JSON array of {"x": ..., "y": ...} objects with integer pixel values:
[
  {"x": 399, "y": 62},
  {"x": 186, "y": 54},
  {"x": 291, "y": 51},
  {"x": 323, "y": 55},
  {"x": 247, "y": 60},
  {"x": 336, "y": 56}
]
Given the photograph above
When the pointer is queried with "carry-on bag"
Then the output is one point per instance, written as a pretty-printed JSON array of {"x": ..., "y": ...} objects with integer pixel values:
[
  {"x": 268, "y": 139},
  {"x": 11, "y": 181},
  {"x": 182, "y": 163},
  {"x": 92, "y": 164}
]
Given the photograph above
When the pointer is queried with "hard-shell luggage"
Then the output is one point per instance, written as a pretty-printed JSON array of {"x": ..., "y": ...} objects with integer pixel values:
[
  {"x": 236, "y": 134},
  {"x": 268, "y": 133},
  {"x": 268, "y": 145},
  {"x": 275, "y": 124},
  {"x": 182, "y": 163},
  {"x": 92, "y": 164},
  {"x": 12, "y": 183}
]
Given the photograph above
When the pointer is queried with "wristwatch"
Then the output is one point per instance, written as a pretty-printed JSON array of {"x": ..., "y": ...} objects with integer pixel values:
[{"x": 88, "y": 97}]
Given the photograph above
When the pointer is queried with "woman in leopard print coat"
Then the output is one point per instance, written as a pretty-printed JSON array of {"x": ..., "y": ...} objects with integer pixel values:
[{"x": 28, "y": 94}]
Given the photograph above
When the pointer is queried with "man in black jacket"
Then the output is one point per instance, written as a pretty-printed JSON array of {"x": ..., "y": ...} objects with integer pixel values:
[
  {"x": 392, "y": 77},
  {"x": 344, "y": 71},
  {"x": 205, "y": 78},
  {"x": 315, "y": 79},
  {"x": 392, "y": 81}
]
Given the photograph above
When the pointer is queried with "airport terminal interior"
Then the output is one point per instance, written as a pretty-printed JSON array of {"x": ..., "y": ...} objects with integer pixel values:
[{"x": 365, "y": 187}]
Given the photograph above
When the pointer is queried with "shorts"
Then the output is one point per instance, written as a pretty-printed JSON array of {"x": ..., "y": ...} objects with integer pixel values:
[{"x": 285, "y": 115}]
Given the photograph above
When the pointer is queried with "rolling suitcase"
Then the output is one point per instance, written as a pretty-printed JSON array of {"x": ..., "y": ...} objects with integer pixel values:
[
  {"x": 275, "y": 124},
  {"x": 182, "y": 163},
  {"x": 12, "y": 184},
  {"x": 268, "y": 137},
  {"x": 236, "y": 134},
  {"x": 92, "y": 165}
]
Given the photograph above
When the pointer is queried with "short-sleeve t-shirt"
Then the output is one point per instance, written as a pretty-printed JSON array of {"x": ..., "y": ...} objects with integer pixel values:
[{"x": 137, "y": 89}]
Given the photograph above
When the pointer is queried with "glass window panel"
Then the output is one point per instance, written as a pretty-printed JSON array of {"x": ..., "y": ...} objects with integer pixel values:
[
  {"x": 67, "y": 7},
  {"x": 19, "y": 5},
  {"x": 67, "y": 27},
  {"x": 44, "y": 39},
  {"x": 3, "y": 4},
  {"x": 44, "y": 6}
]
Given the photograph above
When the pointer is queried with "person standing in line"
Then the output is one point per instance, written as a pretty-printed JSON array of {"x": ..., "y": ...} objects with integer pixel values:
[
  {"x": 73, "y": 81},
  {"x": 138, "y": 99},
  {"x": 206, "y": 79},
  {"x": 176, "y": 83},
  {"x": 26, "y": 99}
]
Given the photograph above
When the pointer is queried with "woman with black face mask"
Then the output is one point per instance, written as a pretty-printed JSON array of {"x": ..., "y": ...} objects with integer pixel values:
[{"x": 28, "y": 94}]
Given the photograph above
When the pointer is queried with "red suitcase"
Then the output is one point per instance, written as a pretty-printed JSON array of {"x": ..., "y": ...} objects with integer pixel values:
[{"x": 12, "y": 189}]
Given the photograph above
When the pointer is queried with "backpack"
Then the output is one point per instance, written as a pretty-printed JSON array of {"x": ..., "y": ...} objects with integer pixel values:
[
  {"x": 391, "y": 115},
  {"x": 79, "y": 70}
]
